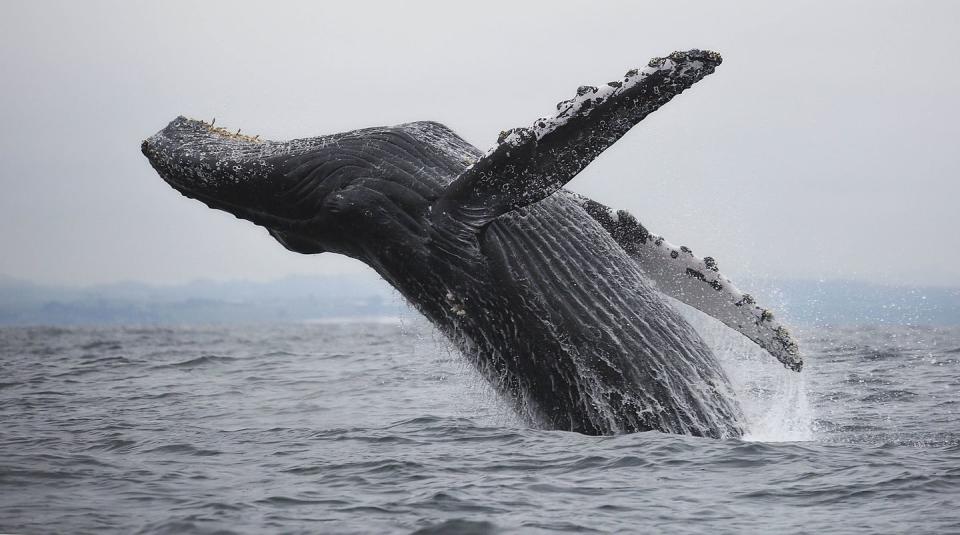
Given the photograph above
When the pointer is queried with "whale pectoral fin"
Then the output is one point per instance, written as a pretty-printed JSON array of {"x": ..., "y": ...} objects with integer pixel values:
[
  {"x": 699, "y": 283},
  {"x": 529, "y": 164},
  {"x": 696, "y": 282}
]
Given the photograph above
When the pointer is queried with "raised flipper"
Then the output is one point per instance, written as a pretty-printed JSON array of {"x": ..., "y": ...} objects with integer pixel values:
[
  {"x": 529, "y": 164},
  {"x": 696, "y": 282}
]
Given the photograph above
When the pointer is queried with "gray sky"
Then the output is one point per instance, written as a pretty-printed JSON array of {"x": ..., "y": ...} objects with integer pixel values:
[{"x": 825, "y": 146}]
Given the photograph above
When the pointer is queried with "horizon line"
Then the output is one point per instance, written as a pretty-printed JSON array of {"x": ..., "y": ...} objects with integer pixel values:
[{"x": 373, "y": 276}]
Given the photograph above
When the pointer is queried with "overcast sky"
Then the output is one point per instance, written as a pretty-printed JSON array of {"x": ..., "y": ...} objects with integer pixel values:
[{"x": 825, "y": 146}]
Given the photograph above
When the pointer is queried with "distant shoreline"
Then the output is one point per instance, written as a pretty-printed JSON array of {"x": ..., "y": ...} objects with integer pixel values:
[{"x": 365, "y": 298}]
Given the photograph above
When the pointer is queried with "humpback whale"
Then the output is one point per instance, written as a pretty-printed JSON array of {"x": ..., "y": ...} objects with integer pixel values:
[{"x": 558, "y": 300}]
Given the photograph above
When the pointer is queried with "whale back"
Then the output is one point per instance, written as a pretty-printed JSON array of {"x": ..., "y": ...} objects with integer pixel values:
[{"x": 621, "y": 360}]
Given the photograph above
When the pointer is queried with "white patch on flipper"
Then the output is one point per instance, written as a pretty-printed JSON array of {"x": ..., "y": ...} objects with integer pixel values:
[{"x": 698, "y": 282}]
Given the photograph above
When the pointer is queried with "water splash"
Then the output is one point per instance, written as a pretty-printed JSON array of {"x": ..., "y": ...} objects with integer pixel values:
[{"x": 774, "y": 399}]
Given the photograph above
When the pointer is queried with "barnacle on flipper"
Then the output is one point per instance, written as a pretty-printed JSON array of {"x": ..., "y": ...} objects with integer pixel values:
[{"x": 455, "y": 307}]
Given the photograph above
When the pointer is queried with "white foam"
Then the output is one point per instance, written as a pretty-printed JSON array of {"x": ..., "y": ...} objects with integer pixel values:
[{"x": 773, "y": 398}]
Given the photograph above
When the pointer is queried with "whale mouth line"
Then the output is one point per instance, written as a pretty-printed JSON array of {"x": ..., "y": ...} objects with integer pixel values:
[
  {"x": 191, "y": 190},
  {"x": 253, "y": 215}
]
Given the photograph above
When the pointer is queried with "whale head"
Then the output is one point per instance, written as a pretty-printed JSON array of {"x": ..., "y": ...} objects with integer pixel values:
[{"x": 310, "y": 194}]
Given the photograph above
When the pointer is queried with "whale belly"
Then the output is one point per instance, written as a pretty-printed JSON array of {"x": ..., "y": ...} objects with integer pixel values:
[{"x": 607, "y": 354}]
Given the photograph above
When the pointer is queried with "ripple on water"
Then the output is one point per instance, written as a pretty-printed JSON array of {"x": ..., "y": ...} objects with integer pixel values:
[
  {"x": 347, "y": 429},
  {"x": 205, "y": 360}
]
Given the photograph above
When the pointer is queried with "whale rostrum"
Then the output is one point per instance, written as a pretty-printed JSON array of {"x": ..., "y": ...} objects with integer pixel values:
[{"x": 556, "y": 299}]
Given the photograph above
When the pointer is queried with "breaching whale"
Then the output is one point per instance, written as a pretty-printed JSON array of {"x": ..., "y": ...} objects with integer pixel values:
[{"x": 555, "y": 298}]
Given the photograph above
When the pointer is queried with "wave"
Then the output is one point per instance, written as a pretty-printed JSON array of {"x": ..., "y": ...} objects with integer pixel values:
[{"x": 205, "y": 360}]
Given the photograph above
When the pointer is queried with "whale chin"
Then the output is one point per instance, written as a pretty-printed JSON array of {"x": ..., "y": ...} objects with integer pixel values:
[{"x": 297, "y": 243}]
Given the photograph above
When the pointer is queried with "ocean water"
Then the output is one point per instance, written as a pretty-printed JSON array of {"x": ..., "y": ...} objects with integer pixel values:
[{"x": 382, "y": 428}]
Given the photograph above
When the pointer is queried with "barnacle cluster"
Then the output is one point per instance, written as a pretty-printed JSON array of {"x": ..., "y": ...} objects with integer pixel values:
[{"x": 223, "y": 132}]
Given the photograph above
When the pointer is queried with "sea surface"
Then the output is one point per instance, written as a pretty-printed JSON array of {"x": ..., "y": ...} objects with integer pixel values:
[{"x": 381, "y": 427}]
